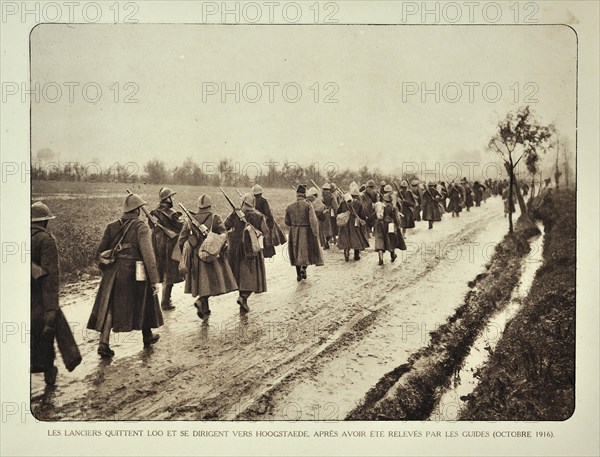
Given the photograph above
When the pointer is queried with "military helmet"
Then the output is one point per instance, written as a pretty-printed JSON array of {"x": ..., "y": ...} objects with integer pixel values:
[
  {"x": 414, "y": 182},
  {"x": 404, "y": 183},
  {"x": 370, "y": 183},
  {"x": 354, "y": 191},
  {"x": 313, "y": 191},
  {"x": 431, "y": 183},
  {"x": 132, "y": 202},
  {"x": 383, "y": 183},
  {"x": 301, "y": 189},
  {"x": 204, "y": 201},
  {"x": 326, "y": 186},
  {"x": 165, "y": 193},
  {"x": 387, "y": 188},
  {"x": 40, "y": 212},
  {"x": 248, "y": 199},
  {"x": 257, "y": 189}
]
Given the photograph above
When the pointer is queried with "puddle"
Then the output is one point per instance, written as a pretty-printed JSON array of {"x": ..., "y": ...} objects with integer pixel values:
[{"x": 464, "y": 382}]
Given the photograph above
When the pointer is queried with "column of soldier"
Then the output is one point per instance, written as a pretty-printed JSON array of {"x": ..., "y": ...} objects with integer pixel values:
[{"x": 215, "y": 256}]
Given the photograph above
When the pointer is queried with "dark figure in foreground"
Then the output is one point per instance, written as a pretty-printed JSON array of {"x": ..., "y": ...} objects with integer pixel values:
[{"x": 47, "y": 320}]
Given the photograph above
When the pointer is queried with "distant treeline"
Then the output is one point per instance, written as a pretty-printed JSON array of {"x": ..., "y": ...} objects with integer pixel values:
[{"x": 225, "y": 172}]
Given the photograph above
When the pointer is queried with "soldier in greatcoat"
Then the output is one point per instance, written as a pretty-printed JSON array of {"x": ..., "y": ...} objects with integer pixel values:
[
  {"x": 416, "y": 190},
  {"x": 276, "y": 237},
  {"x": 204, "y": 279},
  {"x": 329, "y": 226},
  {"x": 431, "y": 204},
  {"x": 313, "y": 196},
  {"x": 303, "y": 243},
  {"x": 468, "y": 194},
  {"x": 127, "y": 298},
  {"x": 388, "y": 236},
  {"x": 409, "y": 201},
  {"x": 248, "y": 267},
  {"x": 369, "y": 197},
  {"x": 47, "y": 320},
  {"x": 165, "y": 246},
  {"x": 352, "y": 235},
  {"x": 455, "y": 199},
  {"x": 478, "y": 190}
]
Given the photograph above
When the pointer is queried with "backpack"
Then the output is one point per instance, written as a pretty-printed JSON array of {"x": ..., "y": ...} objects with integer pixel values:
[
  {"x": 253, "y": 241},
  {"x": 211, "y": 247},
  {"x": 342, "y": 219}
]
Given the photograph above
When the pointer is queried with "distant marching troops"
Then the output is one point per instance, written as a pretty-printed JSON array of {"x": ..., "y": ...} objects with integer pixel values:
[{"x": 213, "y": 256}]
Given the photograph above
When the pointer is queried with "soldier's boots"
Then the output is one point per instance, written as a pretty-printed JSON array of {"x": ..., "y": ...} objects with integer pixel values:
[
  {"x": 356, "y": 254},
  {"x": 380, "y": 258},
  {"x": 298, "y": 274},
  {"x": 50, "y": 376},
  {"x": 347, "y": 255},
  {"x": 150, "y": 338},
  {"x": 165, "y": 303},
  {"x": 243, "y": 302},
  {"x": 105, "y": 351},
  {"x": 393, "y": 255}
]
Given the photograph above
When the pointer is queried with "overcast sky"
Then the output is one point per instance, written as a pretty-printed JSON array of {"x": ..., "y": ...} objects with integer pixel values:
[{"x": 368, "y": 65}]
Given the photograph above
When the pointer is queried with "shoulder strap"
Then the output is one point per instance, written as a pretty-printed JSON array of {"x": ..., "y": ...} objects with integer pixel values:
[{"x": 127, "y": 226}]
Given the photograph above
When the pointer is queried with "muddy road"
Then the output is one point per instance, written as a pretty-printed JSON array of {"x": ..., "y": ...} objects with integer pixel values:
[{"x": 306, "y": 351}]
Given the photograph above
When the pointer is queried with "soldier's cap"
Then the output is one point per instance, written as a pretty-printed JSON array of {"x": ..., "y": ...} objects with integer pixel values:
[
  {"x": 370, "y": 183},
  {"x": 301, "y": 189},
  {"x": 165, "y": 193},
  {"x": 257, "y": 189},
  {"x": 40, "y": 212},
  {"x": 354, "y": 191},
  {"x": 133, "y": 202},
  {"x": 464, "y": 179},
  {"x": 313, "y": 191},
  {"x": 387, "y": 188},
  {"x": 333, "y": 186},
  {"x": 204, "y": 201},
  {"x": 248, "y": 199},
  {"x": 404, "y": 183},
  {"x": 414, "y": 182},
  {"x": 326, "y": 186},
  {"x": 383, "y": 183}
]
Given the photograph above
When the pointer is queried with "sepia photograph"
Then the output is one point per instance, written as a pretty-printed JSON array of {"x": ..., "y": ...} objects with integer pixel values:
[
  {"x": 299, "y": 228},
  {"x": 303, "y": 222}
]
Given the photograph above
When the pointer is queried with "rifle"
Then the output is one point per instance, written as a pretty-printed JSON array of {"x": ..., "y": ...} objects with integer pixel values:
[
  {"x": 239, "y": 193},
  {"x": 155, "y": 222},
  {"x": 315, "y": 184},
  {"x": 238, "y": 212},
  {"x": 203, "y": 229}
]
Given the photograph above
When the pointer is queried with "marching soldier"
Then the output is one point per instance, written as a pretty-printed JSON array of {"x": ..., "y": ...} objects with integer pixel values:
[
  {"x": 431, "y": 204},
  {"x": 387, "y": 229},
  {"x": 416, "y": 190},
  {"x": 303, "y": 244},
  {"x": 369, "y": 197},
  {"x": 212, "y": 276},
  {"x": 47, "y": 320},
  {"x": 275, "y": 234},
  {"x": 248, "y": 266},
  {"x": 478, "y": 190},
  {"x": 408, "y": 204},
  {"x": 331, "y": 206},
  {"x": 127, "y": 298},
  {"x": 455, "y": 199},
  {"x": 165, "y": 246},
  {"x": 352, "y": 235},
  {"x": 319, "y": 206},
  {"x": 468, "y": 194}
]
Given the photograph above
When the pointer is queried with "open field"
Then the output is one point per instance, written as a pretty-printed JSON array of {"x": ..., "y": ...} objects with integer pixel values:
[{"x": 84, "y": 208}]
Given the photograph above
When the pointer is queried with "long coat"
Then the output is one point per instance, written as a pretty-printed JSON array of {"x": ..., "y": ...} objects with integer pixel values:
[
  {"x": 44, "y": 298},
  {"x": 416, "y": 190},
  {"x": 331, "y": 206},
  {"x": 249, "y": 271},
  {"x": 455, "y": 198},
  {"x": 352, "y": 236},
  {"x": 368, "y": 198},
  {"x": 168, "y": 269},
  {"x": 408, "y": 204},
  {"x": 384, "y": 240},
  {"x": 134, "y": 306},
  {"x": 275, "y": 236},
  {"x": 478, "y": 190},
  {"x": 431, "y": 204},
  {"x": 322, "y": 216},
  {"x": 206, "y": 279},
  {"x": 468, "y": 196},
  {"x": 303, "y": 243}
]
